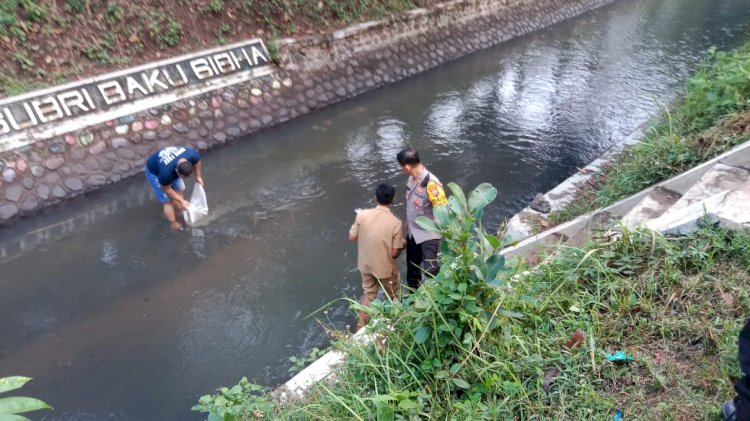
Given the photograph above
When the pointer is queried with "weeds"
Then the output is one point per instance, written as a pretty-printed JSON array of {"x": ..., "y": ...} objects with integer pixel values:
[
  {"x": 221, "y": 33},
  {"x": 652, "y": 297},
  {"x": 77, "y": 6},
  {"x": 299, "y": 363},
  {"x": 215, "y": 6},
  {"x": 231, "y": 403},
  {"x": 151, "y": 28},
  {"x": 480, "y": 343}
]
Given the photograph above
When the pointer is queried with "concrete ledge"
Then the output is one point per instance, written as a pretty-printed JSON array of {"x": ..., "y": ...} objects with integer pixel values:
[
  {"x": 322, "y": 369},
  {"x": 522, "y": 224},
  {"x": 590, "y": 221}
]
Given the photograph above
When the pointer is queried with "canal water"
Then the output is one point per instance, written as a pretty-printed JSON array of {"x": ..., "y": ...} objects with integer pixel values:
[{"x": 119, "y": 318}]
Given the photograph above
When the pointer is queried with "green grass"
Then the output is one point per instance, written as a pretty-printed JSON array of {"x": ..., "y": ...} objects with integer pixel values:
[
  {"x": 462, "y": 348},
  {"x": 675, "y": 304},
  {"x": 711, "y": 119}
]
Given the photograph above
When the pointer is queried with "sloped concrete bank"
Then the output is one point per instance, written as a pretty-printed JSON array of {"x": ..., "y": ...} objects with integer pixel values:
[
  {"x": 689, "y": 194},
  {"x": 40, "y": 168},
  {"x": 528, "y": 221}
]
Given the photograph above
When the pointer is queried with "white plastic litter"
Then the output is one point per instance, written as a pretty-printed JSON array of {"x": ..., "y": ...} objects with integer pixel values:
[{"x": 198, "y": 208}]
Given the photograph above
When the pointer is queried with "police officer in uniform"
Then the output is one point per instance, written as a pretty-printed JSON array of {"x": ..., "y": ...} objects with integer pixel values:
[{"x": 424, "y": 192}]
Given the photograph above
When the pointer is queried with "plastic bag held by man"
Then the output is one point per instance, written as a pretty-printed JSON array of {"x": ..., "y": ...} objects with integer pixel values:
[{"x": 198, "y": 208}]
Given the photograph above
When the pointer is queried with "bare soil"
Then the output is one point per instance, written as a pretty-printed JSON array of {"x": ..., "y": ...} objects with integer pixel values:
[{"x": 46, "y": 42}]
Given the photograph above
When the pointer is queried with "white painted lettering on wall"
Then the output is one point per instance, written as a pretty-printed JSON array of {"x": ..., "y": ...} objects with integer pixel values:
[{"x": 108, "y": 93}]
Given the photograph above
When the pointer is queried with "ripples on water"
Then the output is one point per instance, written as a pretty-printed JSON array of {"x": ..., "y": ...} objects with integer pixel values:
[{"x": 117, "y": 317}]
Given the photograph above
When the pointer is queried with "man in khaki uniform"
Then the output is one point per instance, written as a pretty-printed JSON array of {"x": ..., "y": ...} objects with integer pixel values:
[{"x": 379, "y": 237}]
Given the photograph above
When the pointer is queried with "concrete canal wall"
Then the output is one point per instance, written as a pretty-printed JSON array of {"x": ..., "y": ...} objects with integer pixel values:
[{"x": 62, "y": 142}]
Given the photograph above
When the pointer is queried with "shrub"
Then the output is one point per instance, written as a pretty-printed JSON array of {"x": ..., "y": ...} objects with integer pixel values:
[{"x": 230, "y": 402}]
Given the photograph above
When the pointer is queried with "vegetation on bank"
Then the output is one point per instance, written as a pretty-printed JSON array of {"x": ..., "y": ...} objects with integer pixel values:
[
  {"x": 712, "y": 117},
  {"x": 482, "y": 341},
  {"x": 53, "y": 41}
]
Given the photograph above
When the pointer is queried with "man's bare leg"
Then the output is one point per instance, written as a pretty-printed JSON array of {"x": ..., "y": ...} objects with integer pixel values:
[{"x": 171, "y": 214}]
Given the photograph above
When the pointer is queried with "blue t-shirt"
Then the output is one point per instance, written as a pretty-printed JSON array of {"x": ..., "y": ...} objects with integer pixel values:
[{"x": 163, "y": 163}]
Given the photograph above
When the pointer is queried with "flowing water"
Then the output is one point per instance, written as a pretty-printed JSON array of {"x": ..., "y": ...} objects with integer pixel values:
[{"x": 117, "y": 317}]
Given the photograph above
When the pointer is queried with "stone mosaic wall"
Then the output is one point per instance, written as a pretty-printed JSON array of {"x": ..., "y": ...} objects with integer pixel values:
[{"x": 312, "y": 73}]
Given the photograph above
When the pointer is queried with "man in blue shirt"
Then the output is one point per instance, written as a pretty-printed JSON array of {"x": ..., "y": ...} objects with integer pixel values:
[{"x": 165, "y": 170}]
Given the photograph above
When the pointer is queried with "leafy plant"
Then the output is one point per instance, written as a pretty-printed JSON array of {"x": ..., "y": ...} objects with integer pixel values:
[
  {"x": 11, "y": 407},
  {"x": 165, "y": 30},
  {"x": 22, "y": 58},
  {"x": 216, "y": 6},
  {"x": 449, "y": 316},
  {"x": 221, "y": 32},
  {"x": 77, "y": 6},
  {"x": 273, "y": 49},
  {"x": 35, "y": 11},
  {"x": 230, "y": 402},
  {"x": 173, "y": 33},
  {"x": 115, "y": 12},
  {"x": 299, "y": 363}
]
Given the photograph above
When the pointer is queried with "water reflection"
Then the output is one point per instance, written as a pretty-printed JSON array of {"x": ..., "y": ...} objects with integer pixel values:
[{"x": 101, "y": 289}]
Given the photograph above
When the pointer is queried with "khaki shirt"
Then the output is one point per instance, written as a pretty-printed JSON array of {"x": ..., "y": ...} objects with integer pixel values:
[{"x": 377, "y": 230}]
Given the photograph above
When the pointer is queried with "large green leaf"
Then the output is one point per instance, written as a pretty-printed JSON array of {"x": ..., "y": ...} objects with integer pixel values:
[
  {"x": 408, "y": 404},
  {"x": 493, "y": 240},
  {"x": 442, "y": 215},
  {"x": 458, "y": 194},
  {"x": 463, "y": 384},
  {"x": 422, "y": 334},
  {"x": 426, "y": 223},
  {"x": 494, "y": 264},
  {"x": 12, "y": 383},
  {"x": 481, "y": 196},
  {"x": 454, "y": 206},
  {"x": 20, "y": 404},
  {"x": 511, "y": 314}
]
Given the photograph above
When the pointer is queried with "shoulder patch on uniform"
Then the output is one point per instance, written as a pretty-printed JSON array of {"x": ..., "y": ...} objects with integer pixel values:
[{"x": 436, "y": 194}]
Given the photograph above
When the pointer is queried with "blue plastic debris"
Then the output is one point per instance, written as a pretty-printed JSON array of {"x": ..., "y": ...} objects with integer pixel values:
[
  {"x": 619, "y": 356},
  {"x": 618, "y": 416}
]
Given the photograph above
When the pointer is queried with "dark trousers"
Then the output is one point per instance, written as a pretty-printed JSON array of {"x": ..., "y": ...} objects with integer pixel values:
[
  {"x": 421, "y": 259},
  {"x": 742, "y": 401}
]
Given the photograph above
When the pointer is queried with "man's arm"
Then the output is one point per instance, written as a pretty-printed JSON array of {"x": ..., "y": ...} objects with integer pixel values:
[
  {"x": 354, "y": 230},
  {"x": 198, "y": 174},
  {"x": 398, "y": 240},
  {"x": 181, "y": 203}
]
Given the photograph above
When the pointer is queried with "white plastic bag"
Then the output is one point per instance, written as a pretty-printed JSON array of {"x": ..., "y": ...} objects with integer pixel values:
[{"x": 198, "y": 208}]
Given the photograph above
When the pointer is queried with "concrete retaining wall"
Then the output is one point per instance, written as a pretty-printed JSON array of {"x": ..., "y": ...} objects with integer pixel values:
[{"x": 312, "y": 72}]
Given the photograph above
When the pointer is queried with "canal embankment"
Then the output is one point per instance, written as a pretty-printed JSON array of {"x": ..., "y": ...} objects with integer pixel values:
[
  {"x": 712, "y": 117},
  {"x": 62, "y": 142},
  {"x": 644, "y": 318}
]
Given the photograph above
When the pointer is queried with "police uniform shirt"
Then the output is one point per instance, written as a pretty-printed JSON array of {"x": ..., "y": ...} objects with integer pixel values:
[{"x": 422, "y": 195}]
